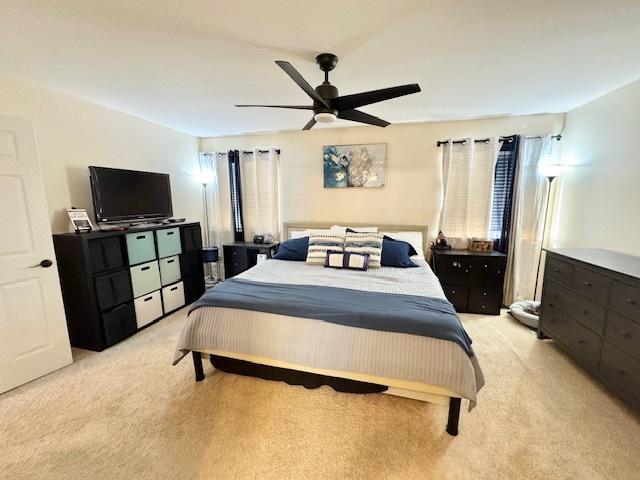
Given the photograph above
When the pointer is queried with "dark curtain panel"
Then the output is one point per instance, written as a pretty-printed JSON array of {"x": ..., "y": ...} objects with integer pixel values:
[
  {"x": 502, "y": 206},
  {"x": 236, "y": 195}
]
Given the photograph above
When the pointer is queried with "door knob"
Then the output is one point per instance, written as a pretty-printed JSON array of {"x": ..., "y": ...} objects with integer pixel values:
[{"x": 46, "y": 263}]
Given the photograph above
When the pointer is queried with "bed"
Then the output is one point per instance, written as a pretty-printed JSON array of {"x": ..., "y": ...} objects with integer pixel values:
[{"x": 342, "y": 328}]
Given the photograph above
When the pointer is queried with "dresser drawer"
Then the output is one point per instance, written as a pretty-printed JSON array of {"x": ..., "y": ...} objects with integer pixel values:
[
  {"x": 487, "y": 271},
  {"x": 169, "y": 269},
  {"x": 140, "y": 247},
  {"x": 148, "y": 308},
  {"x": 168, "y": 242},
  {"x": 457, "y": 295},
  {"x": 119, "y": 323},
  {"x": 588, "y": 313},
  {"x": 452, "y": 270},
  {"x": 625, "y": 299},
  {"x": 173, "y": 297},
  {"x": 235, "y": 261},
  {"x": 580, "y": 342},
  {"x": 145, "y": 278},
  {"x": 591, "y": 284},
  {"x": 484, "y": 300},
  {"x": 621, "y": 372},
  {"x": 558, "y": 270},
  {"x": 113, "y": 289},
  {"x": 105, "y": 254},
  {"x": 623, "y": 333}
]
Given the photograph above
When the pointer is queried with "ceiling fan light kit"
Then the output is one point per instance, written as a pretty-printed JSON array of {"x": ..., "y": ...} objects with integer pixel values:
[{"x": 328, "y": 105}]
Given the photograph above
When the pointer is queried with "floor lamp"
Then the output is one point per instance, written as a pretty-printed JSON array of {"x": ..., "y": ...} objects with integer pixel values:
[
  {"x": 550, "y": 172},
  {"x": 209, "y": 254}
]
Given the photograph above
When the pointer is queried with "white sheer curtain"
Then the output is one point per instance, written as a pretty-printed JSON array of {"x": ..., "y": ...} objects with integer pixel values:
[
  {"x": 259, "y": 175},
  {"x": 529, "y": 200},
  {"x": 215, "y": 168},
  {"x": 467, "y": 176}
]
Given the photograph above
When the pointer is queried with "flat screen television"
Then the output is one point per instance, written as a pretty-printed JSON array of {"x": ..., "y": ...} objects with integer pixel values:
[{"x": 128, "y": 195}]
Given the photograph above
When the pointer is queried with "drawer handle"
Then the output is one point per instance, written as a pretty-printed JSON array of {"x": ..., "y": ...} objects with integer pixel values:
[
  {"x": 587, "y": 284},
  {"x": 551, "y": 305},
  {"x": 556, "y": 269},
  {"x": 144, "y": 268},
  {"x": 171, "y": 261},
  {"x": 585, "y": 311},
  {"x": 173, "y": 289},
  {"x": 551, "y": 320},
  {"x": 170, "y": 233},
  {"x": 486, "y": 266},
  {"x": 631, "y": 301},
  {"x": 453, "y": 291},
  {"x": 622, "y": 372},
  {"x": 148, "y": 298},
  {"x": 581, "y": 342},
  {"x": 484, "y": 294},
  {"x": 626, "y": 335},
  {"x": 235, "y": 253},
  {"x": 483, "y": 307},
  {"x": 141, "y": 237}
]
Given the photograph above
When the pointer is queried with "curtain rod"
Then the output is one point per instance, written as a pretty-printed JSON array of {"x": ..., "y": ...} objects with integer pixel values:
[
  {"x": 508, "y": 139},
  {"x": 250, "y": 152}
]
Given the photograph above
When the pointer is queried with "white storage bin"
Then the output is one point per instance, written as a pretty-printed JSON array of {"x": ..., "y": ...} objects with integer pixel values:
[
  {"x": 173, "y": 297},
  {"x": 148, "y": 308}
]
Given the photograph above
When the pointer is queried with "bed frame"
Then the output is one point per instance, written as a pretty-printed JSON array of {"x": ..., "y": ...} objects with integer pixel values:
[{"x": 312, "y": 378}]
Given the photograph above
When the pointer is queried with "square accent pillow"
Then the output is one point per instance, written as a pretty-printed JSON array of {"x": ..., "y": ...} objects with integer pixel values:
[
  {"x": 365, "y": 243},
  {"x": 320, "y": 242}
]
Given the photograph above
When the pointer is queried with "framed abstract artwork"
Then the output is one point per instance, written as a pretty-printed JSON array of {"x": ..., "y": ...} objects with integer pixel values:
[{"x": 354, "y": 166}]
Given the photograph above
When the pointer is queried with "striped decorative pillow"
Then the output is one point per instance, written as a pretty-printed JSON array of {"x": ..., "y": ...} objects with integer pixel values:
[
  {"x": 370, "y": 243},
  {"x": 320, "y": 242}
]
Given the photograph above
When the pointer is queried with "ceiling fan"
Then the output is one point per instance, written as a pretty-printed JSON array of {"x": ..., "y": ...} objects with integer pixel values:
[{"x": 328, "y": 105}]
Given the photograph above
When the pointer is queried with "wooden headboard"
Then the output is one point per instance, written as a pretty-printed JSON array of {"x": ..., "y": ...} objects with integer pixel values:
[{"x": 293, "y": 226}]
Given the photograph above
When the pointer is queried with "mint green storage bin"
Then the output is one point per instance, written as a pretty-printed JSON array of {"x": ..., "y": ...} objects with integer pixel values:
[
  {"x": 169, "y": 270},
  {"x": 145, "y": 278},
  {"x": 140, "y": 247},
  {"x": 168, "y": 242}
]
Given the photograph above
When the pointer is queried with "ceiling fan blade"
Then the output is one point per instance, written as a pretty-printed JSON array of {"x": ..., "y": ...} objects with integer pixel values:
[
  {"x": 310, "y": 124},
  {"x": 302, "y": 83},
  {"x": 358, "y": 116},
  {"x": 348, "y": 102},
  {"x": 295, "y": 107}
]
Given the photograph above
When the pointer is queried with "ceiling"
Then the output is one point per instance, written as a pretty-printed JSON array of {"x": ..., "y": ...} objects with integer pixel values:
[{"x": 184, "y": 64}]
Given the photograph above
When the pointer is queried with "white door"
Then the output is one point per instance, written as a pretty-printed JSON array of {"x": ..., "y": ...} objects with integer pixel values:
[{"x": 33, "y": 330}]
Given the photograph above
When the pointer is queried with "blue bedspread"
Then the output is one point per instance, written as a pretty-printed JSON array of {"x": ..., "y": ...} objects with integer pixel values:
[{"x": 425, "y": 316}]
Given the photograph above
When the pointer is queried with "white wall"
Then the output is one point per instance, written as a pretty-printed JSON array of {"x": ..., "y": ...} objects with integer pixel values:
[
  {"x": 598, "y": 198},
  {"x": 412, "y": 194},
  {"x": 72, "y": 134}
]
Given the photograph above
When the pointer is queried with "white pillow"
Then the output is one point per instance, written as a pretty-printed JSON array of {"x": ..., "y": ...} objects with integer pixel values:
[
  {"x": 412, "y": 238},
  {"x": 298, "y": 234},
  {"x": 340, "y": 228}
]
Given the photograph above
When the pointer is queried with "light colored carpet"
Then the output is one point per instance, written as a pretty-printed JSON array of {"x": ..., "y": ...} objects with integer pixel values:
[{"x": 126, "y": 413}]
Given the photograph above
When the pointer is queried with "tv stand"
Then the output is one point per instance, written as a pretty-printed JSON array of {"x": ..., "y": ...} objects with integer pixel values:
[{"x": 114, "y": 283}]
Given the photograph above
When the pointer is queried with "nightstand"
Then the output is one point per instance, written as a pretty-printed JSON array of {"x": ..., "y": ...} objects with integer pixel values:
[
  {"x": 472, "y": 281},
  {"x": 241, "y": 256}
]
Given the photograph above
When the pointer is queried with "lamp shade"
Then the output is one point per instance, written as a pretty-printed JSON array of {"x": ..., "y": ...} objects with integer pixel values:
[
  {"x": 552, "y": 170},
  {"x": 210, "y": 254}
]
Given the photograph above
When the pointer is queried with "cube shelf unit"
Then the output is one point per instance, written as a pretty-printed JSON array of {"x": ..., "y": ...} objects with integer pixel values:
[{"x": 115, "y": 283}]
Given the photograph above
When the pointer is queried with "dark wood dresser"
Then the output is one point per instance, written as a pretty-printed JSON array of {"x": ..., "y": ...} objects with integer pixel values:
[
  {"x": 472, "y": 281},
  {"x": 591, "y": 309},
  {"x": 241, "y": 256}
]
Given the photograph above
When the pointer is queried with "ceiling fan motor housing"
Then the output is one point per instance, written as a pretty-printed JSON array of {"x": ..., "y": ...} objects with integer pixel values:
[{"x": 327, "y": 92}]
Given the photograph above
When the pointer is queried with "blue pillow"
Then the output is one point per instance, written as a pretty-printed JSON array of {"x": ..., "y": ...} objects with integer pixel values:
[
  {"x": 296, "y": 250},
  {"x": 396, "y": 253}
]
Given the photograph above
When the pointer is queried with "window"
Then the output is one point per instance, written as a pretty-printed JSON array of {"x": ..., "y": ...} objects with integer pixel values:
[
  {"x": 236, "y": 198},
  {"x": 501, "y": 207}
]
